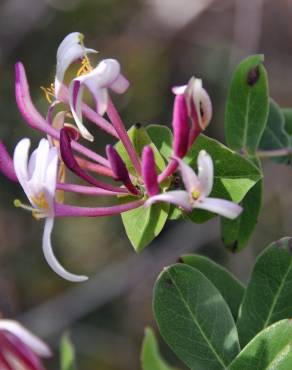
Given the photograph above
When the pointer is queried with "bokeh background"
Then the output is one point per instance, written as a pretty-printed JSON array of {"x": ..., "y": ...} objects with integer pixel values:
[{"x": 160, "y": 43}]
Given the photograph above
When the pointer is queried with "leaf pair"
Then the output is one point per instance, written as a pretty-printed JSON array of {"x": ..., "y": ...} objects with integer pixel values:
[{"x": 196, "y": 305}]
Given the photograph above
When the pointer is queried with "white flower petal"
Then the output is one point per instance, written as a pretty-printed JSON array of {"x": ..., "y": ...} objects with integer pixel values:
[
  {"x": 51, "y": 177},
  {"x": 38, "y": 177},
  {"x": 222, "y": 207},
  {"x": 70, "y": 50},
  {"x": 206, "y": 108},
  {"x": 179, "y": 90},
  {"x": 205, "y": 172},
  {"x": 50, "y": 257},
  {"x": 101, "y": 100},
  {"x": 20, "y": 163},
  {"x": 190, "y": 179},
  {"x": 75, "y": 100},
  {"x": 39, "y": 347},
  {"x": 178, "y": 197}
]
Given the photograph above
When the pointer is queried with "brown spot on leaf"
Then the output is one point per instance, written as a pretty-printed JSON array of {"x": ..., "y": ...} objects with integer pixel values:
[{"x": 253, "y": 76}]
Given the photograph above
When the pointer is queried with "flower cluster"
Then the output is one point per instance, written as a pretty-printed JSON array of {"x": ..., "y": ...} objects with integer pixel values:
[{"x": 41, "y": 174}]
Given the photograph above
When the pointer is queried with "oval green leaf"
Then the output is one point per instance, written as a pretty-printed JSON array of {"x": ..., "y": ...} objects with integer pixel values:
[
  {"x": 268, "y": 294},
  {"x": 194, "y": 319},
  {"x": 271, "y": 349},
  {"x": 230, "y": 288},
  {"x": 247, "y": 105},
  {"x": 67, "y": 353}
]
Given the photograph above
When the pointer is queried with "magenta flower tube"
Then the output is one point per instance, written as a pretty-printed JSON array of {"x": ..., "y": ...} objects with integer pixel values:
[{"x": 149, "y": 173}]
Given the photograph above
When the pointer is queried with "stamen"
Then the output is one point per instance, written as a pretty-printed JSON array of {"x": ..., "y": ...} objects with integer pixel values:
[
  {"x": 40, "y": 201},
  {"x": 36, "y": 213},
  {"x": 85, "y": 68},
  {"x": 195, "y": 194},
  {"x": 49, "y": 92}
]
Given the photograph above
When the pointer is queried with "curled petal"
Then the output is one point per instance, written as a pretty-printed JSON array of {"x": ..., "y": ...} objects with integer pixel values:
[
  {"x": 205, "y": 172},
  {"x": 6, "y": 164},
  {"x": 222, "y": 207},
  {"x": 51, "y": 176},
  {"x": 20, "y": 162},
  {"x": 179, "y": 198},
  {"x": 50, "y": 257},
  {"x": 37, "y": 346},
  {"x": 120, "y": 85},
  {"x": 190, "y": 179},
  {"x": 41, "y": 159},
  {"x": 75, "y": 101},
  {"x": 181, "y": 129},
  {"x": 149, "y": 173},
  {"x": 70, "y": 50}
]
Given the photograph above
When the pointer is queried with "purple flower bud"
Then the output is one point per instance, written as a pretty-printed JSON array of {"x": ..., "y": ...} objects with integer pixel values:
[
  {"x": 149, "y": 173},
  {"x": 119, "y": 169},
  {"x": 70, "y": 161},
  {"x": 181, "y": 128},
  {"x": 6, "y": 164}
]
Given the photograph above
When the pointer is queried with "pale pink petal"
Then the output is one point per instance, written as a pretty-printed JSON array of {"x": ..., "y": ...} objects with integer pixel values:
[
  {"x": 120, "y": 85},
  {"x": 222, "y": 207},
  {"x": 205, "y": 172},
  {"x": 179, "y": 198},
  {"x": 51, "y": 258},
  {"x": 179, "y": 90},
  {"x": 39, "y": 347},
  {"x": 190, "y": 179}
]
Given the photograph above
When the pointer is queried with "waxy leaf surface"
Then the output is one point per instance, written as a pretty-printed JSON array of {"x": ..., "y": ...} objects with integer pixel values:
[
  {"x": 230, "y": 288},
  {"x": 271, "y": 349},
  {"x": 194, "y": 319},
  {"x": 268, "y": 294},
  {"x": 247, "y": 105}
]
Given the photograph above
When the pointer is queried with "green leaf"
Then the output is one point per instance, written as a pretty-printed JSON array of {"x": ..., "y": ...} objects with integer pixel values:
[
  {"x": 247, "y": 105},
  {"x": 234, "y": 175},
  {"x": 67, "y": 354},
  {"x": 140, "y": 138},
  {"x": 161, "y": 136},
  {"x": 227, "y": 284},
  {"x": 150, "y": 356},
  {"x": 236, "y": 234},
  {"x": 268, "y": 294},
  {"x": 142, "y": 224},
  {"x": 288, "y": 120},
  {"x": 275, "y": 136},
  {"x": 271, "y": 349},
  {"x": 194, "y": 319}
]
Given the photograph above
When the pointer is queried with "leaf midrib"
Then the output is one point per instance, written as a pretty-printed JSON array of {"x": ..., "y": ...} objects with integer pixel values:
[
  {"x": 246, "y": 120},
  {"x": 277, "y": 296},
  {"x": 197, "y": 324}
]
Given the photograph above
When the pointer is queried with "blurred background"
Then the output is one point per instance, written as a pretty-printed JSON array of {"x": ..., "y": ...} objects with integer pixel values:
[{"x": 160, "y": 43}]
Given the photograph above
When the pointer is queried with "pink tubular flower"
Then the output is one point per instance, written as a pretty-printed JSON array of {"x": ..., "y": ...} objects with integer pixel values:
[
  {"x": 6, "y": 164},
  {"x": 198, "y": 105},
  {"x": 181, "y": 127},
  {"x": 198, "y": 188},
  {"x": 19, "y": 348},
  {"x": 106, "y": 75},
  {"x": 149, "y": 173},
  {"x": 119, "y": 169}
]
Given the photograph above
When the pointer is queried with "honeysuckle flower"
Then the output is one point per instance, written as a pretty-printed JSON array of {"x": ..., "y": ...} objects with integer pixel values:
[
  {"x": 181, "y": 127},
  {"x": 149, "y": 173},
  {"x": 6, "y": 164},
  {"x": 107, "y": 74},
  {"x": 71, "y": 49},
  {"x": 19, "y": 348},
  {"x": 38, "y": 177},
  {"x": 199, "y": 105},
  {"x": 198, "y": 188}
]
